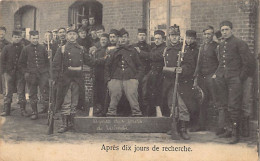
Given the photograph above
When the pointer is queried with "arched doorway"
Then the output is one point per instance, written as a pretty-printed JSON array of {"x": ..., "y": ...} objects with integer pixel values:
[
  {"x": 85, "y": 8},
  {"x": 25, "y": 17}
]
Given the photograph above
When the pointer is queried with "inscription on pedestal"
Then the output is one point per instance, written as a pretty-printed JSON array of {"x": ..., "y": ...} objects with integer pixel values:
[{"x": 122, "y": 124}]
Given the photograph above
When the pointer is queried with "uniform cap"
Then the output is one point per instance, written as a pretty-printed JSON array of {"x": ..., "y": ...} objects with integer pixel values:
[
  {"x": 84, "y": 17},
  {"x": 17, "y": 32},
  {"x": 123, "y": 32},
  {"x": 174, "y": 30},
  {"x": 114, "y": 31},
  {"x": 71, "y": 29},
  {"x": 142, "y": 30},
  {"x": 2, "y": 28},
  {"x": 100, "y": 27},
  {"x": 34, "y": 32},
  {"x": 160, "y": 32},
  {"x": 226, "y": 23},
  {"x": 191, "y": 33},
  {"x": 105, "y": 35},
  {"x": 208, "y": 28}
]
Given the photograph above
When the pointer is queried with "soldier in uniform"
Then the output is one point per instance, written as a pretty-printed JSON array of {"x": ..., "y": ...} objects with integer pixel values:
[
  {"x": 123, "y": 69},
  {"x": 99, "y": 83},
  {"x": 13, "y": 76},
  {"x": 186, "y": 71},
  {"x": 84, "y": 23},
  {"x": 3, "y": 43},
  {"x": 141, "y": 45},
  {"x": 24, "y": 41},
  {"x": 84, "y": 39},
  {"x": 232, "y": 71},
  {"x": 54, "y": 35},
  {"x": 207, "y": 64},
  {"x": 154, "y": 77},
  {"x": 34, "y": 63},
  {"x": 113, "y": 38},
  {"x": 67, "y": 67},
  {"x": 92, "y": 23}
]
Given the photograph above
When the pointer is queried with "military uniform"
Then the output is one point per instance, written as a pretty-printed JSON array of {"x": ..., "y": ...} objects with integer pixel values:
[
  {"x": 25, "y": 42},
  {"x": 13, "y": 76},
  {"x": 99, "y": 83},
  {"x": 208, "y": 63},
  {"x": 232, "y": 71},
  {"x": 74, "y": 56},
  {"x": 34, "y": 63},
  {"x": 123, "y": 69},
  {"x": 3, "y": 43},
  {"x": 142, "y": 89},
  {"x": 154, "y": 78}
]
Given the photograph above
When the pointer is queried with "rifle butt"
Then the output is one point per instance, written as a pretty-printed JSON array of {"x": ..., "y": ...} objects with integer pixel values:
[
  {"x": 51, "y": 126},
  {"x": 174, "y": 129}
]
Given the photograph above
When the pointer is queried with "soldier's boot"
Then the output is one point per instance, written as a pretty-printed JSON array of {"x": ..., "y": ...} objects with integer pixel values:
[
  {"x": 64, "y": 126},
  {"x": 7, "y": 109},
  {"x": 183, "y": 131},
  {"x": 34, "y": 115},
  {"x": 245, "y": 127},
  {"x": 23, "y": 111},
  {"x": 45, "y": 109},
  {"x": 226, "y": 134},
  {"x": 71, "y": 122},
  {"x": 235, "y": 134}
]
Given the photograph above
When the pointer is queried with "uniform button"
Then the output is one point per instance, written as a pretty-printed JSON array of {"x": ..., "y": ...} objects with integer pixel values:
[
  {"x": 69, "y": 53},
  {"x": 223, "y": 56},
  {"x": 80, "y": 60},
  {"x": 167, "y": 54},
  {"x": 166, "y": 61},
  {"x": 69, "y": 59},
  {"x": 224, "y": 61},
  {"x": 181, "y": 93},
  {"x": 224, "y": 51},
  {"x": 224, "y": 66}
]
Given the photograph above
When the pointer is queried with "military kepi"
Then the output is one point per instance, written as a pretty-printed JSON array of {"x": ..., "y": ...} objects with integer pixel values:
[
  {"x": 114, "y": 31},
  {"x": 191, "y": 33},
  {"x": 123, "y": 31},
  {"x": 71, "y": 29},
  {"x": 17, "y": 33},
  {"x": 174, "y": 30},
  {"x": 226, "y": 23},
  {"x": 34, "y": 32},
  {"x": 142, "y": 30},
  {"x": 160, "y": 32}
]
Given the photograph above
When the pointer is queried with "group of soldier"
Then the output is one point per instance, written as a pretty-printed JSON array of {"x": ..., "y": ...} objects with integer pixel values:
[{"x": 218, "y": 72}]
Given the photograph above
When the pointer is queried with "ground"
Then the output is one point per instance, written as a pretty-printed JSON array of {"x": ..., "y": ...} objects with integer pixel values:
[{"x": 17, "y": 130}]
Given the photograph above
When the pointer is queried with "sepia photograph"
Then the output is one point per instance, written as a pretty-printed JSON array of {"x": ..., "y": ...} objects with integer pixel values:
[{"x": 129, "y": 80}]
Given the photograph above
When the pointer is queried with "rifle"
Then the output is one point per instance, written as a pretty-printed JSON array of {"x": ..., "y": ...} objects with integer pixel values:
[
  {"x": 51, "y": 109},
  {"x": 174, "y": 109}
]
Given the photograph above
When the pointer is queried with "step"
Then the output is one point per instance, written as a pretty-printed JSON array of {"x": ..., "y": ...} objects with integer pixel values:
[{"x": 122, "y": 124}]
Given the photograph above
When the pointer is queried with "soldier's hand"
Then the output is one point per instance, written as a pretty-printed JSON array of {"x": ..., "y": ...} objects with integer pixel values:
[
  {"x": 138, "y": 49},
  {"x": 179, "y": 70},
  {"x": 49, "y": 54},
  {"x": 92, "y": 50}
]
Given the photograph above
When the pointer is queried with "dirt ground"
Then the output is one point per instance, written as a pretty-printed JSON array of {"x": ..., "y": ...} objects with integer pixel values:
[{"x": 17, "y": 130}]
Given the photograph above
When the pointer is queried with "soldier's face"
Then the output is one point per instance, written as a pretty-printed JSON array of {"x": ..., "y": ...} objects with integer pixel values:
[
  {"x": 16, "y": 39},
  {"x": 91, "y": 21},
  {"x": 113, "y": 39},
  {"x": 103, "y": 41},
  {"x": 190, "y": 40},
  {"x": 34, "y": 39},
  {"x": 84, "y": 22},
  {"x": 226, "y": 32},
  {"x": 141, "y": 37},
  {"x": 158, "y": 39},
  {"x": 47, "y": 36},
  {"x": 54, "y": 34},
  {"x": 99, "y": 33},
  {"x": 23, "y": 34},
  {"x": 2, "y": 34},
  {"x": 124, "y": 39},
  {"x": 174, "y": 39},
  {"x": 93, "y": 34},
  {"x": 208, "y": 36},
  {"x": 62, "y": 34},
  {"x": 82, "y": 34},
  {"x": 72, "y": 37}
]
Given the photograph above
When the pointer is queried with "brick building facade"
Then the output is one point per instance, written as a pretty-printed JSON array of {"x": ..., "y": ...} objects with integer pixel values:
[{"x": 133, "y": 14}]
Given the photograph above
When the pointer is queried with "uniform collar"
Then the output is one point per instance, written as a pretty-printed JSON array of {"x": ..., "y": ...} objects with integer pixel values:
[
  {"x": 34, "y": 45},
  {"x": 230, "y": 38}
]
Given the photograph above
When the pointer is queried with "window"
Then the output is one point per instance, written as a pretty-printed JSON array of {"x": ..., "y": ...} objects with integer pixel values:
[
  {"x": 82, "y": 8},
  {"x": 25, "y": 17},
  {"x": 157, "y": 15}
]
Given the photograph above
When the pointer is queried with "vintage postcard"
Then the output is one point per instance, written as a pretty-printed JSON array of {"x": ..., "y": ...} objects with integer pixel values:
[{"x": 129, "y": 80}]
